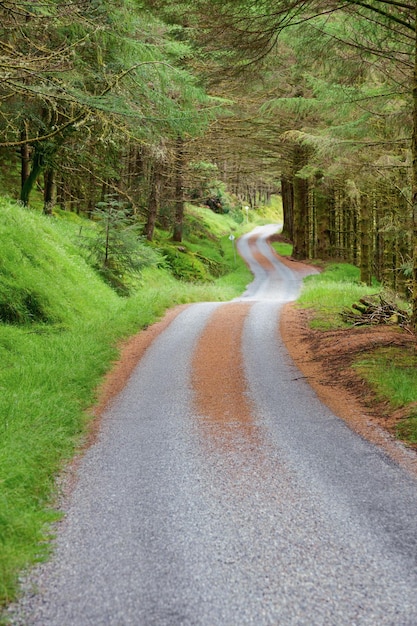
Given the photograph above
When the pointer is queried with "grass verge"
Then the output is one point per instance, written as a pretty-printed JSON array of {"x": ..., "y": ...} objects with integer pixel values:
[
  {"x": 282, "y": 248},
  {"x": 338, "y": 286},
  {"x": 391, "y": 372}
]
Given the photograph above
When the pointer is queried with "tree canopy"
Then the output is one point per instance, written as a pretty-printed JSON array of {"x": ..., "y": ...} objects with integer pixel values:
[{"x": 160, "y": 102}]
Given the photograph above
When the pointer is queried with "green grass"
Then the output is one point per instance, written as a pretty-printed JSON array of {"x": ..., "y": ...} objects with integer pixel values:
[
  {"x": 406, "y": 430},
  {"x": 270, "y": 213},
  {"x": 390, "y": 371},
  {"x": 338, "y": 286},
  {"x": 283, "y": 249},
  {"x": 202, "y": 222},
  {"x": 392, "y": 374},
  {"x": 59, "y": 330}
]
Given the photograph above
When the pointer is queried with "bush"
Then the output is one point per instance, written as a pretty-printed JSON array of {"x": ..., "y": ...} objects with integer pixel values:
[
  {"x": 116, "y": 249},
  {"x": 185, "y": 265}
]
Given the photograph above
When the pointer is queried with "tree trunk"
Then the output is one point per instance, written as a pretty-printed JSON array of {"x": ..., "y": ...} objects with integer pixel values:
[
  {"x": 322, "y": 248},
  {"x": 287, "y": 192},
  {"x": 25, "y": 161},
  {"x": 414, "y": 185},
  {"x": 179, "y": 191},
  {"x": 153, "y": 202},
  {"x": 366, "y": 275},
  {"x": 300, "y": 237},
  {"x": 49, "y": 191},
  {"x": 37, "y": 166}
]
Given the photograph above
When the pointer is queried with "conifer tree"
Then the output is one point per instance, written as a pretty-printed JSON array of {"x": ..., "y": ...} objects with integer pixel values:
[{"x": 85, "y": 70}]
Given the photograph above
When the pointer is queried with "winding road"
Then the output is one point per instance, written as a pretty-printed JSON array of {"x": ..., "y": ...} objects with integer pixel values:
[{"x": 221, "y": 491}]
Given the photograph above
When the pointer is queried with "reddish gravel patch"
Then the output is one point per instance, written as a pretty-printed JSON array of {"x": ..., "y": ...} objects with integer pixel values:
[
  {"x": 218, "y": 375},
  {"x": 258, "y": 256},
  {"x": 325, "y": 359}
]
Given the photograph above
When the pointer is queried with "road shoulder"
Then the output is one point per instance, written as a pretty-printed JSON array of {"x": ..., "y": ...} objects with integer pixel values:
[{"x": 325, "y": 357}]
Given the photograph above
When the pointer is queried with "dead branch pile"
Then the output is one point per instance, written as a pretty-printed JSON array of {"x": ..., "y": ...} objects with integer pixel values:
[{"x": 375, "y": 310}]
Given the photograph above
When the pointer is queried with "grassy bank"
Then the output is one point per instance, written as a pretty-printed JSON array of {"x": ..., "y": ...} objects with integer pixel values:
[
  {"x": 328, "y": 293},
  {"x": 390, "y": 371},
  {"x": 59, "y": 330}
]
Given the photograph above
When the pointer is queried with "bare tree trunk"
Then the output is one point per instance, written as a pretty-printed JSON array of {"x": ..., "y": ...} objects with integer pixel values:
[
  {"x": 322, "y": 248},
  {"x": 48, "y": 191},
  {"x": 366, "y": 275},
  {"x": 154, "y": 199},
  {"x": 311, "y": 224},
  {"x": 25, "y": 161},
  {"x": 414, "y": 182},
  {"x": 287, "y": 192},
  {"x": 37, "y": 166},
  {"x": 179, "y": 191},
  {"x": 300, "y": 236}
]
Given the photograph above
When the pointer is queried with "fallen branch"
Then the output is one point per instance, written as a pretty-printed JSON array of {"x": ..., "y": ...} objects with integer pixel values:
[{"x": 375, "y": 310}]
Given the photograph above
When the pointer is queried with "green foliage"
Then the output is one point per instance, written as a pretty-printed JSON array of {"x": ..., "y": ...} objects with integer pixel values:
[
  {"x": 205, "y": 179},
  {"x": 392, "y": 374},
  {"x": 129, "y": 60},
  {"x": 109, "y": 75},
  {"x": 338, "y": 286},
  {"x": 116, "y": 248},
  {"x": 184, "y": 265}
]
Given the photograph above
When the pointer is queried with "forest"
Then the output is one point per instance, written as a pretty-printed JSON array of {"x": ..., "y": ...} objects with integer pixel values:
[
  {"x": 139, "y": 106},
  {"x": 121, "y": 125}
]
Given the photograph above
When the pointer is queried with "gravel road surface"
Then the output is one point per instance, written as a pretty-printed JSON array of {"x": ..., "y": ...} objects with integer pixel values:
[{"x": 242, "y": 502}]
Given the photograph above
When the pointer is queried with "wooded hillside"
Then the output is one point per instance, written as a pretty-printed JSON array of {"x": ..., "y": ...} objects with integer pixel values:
[{"x": 143, "y": 105}]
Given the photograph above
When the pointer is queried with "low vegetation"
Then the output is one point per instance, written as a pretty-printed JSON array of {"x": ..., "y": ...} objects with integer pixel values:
[
  {"x": 282, "y": 248},
  {"x": 391, "y": 372},
  {"x": 337, "y": 287}
]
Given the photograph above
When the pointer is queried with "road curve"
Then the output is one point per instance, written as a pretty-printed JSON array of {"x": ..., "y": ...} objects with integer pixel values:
[{"x": 222, "y": 492}]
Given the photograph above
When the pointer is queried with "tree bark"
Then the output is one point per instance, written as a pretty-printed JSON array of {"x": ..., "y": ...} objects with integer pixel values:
[
  {"x": 25, "y": 161},
  {"x": 300, "y": 237},
  {"x": 322, "y": 244},
  {"x": 414, "y": 181},
  {"x": 365, "y": 266},
  {"x": 37, "y": 166},
  {"x": 153, "y": 202},
  {"x": 287, "y": 192},
  {"x": 179, "y": 191},
  {"x": 49, "y": 191}
]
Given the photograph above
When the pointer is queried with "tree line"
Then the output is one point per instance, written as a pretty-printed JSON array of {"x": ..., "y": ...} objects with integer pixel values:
[
  {"x": 337, "y": 85},
  {"x": 100, "y": 99},
  {"x": 151, "y": 101}
]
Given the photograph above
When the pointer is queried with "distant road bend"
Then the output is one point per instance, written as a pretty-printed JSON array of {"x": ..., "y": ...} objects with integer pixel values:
[{"x": 222, "y": 492}]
